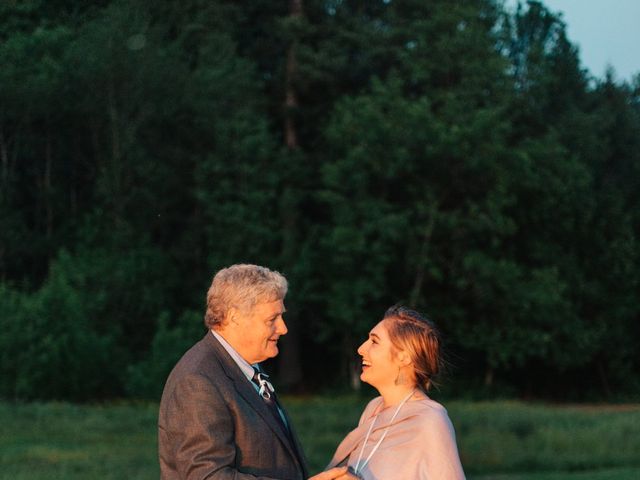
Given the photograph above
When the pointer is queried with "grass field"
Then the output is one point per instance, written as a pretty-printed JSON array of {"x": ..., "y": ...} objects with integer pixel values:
[{"x": 497, "y": 440}]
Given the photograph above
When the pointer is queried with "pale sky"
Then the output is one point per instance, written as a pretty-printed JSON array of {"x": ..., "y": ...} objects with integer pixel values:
[{"x": 607, "y": 32}]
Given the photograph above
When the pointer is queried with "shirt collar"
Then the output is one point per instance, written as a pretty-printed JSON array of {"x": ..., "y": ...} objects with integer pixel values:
[{"x": 245, "y": 366}]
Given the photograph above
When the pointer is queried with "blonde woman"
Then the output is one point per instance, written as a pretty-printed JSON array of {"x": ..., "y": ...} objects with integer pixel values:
[{"x": 402, "y": 434}]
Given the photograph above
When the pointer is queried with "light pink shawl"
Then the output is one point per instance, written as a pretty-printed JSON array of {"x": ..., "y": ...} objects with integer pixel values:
[{"x": 420, "y": 444}]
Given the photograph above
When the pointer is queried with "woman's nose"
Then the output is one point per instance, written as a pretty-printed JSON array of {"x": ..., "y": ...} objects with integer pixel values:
[{"x": 361, "y": 349}]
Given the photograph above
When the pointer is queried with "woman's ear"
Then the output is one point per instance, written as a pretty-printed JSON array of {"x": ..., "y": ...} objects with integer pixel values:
[{"x": 403, "y": 358}]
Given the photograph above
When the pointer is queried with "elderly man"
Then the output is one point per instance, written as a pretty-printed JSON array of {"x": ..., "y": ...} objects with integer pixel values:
[{"x": 219, "y": 415}]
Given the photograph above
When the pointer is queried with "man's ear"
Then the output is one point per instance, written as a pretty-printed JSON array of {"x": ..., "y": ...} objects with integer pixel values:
[{"x": 232, "y": 316}]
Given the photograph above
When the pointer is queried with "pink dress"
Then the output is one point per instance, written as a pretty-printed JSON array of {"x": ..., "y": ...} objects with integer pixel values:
[{"x": 419, "y": 445}]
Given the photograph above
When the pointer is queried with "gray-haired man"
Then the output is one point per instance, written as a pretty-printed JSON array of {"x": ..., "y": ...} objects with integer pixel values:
[{"x": 219, "y": 417}]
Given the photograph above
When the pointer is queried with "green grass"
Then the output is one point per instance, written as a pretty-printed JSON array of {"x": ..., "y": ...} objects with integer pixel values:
[
  {"x": 515, "y": 437},
  {"x": 609, "y": 474},
  {"x": 62, "y": 441},
  {"x": 497, "y": 440}
]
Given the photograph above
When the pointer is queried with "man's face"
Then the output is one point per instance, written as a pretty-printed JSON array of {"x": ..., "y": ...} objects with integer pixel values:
[{"x": 256, "y": 332}]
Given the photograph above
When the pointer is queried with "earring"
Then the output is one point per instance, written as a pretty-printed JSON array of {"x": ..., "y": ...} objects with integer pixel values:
[{"x": 399, "y": 378}]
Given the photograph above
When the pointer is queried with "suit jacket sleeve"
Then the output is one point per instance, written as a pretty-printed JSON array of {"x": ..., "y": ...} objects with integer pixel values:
[{"x": 198, "y": 425}]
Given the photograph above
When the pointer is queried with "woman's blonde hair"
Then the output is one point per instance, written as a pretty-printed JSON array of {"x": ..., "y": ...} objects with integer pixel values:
[
  {"x": 242, "y": 286},
  {"x": 418, "y": 336}
]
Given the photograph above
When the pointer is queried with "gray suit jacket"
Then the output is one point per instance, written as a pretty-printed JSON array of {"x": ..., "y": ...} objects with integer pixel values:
[{"x": 213, "y": 424}]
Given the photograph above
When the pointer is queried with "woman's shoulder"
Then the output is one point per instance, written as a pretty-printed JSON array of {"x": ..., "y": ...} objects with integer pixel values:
[
  {"x": 430, "y": 405},
  {"x": 429, "y": 412}
]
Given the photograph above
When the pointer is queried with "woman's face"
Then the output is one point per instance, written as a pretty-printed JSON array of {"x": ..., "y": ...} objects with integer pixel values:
[{"x": 380, "y": 364}]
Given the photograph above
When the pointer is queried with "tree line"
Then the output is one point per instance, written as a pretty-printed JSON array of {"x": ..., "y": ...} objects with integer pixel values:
[{"x": 452, "y": 156}]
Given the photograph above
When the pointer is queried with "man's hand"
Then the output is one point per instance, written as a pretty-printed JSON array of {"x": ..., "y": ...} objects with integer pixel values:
[{"x": 332, "y": 474}]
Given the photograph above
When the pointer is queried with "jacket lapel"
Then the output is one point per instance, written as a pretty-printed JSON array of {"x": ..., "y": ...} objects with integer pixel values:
[
  {"x": 296, "y": 444},
  {"x": 246, "y": 390}
]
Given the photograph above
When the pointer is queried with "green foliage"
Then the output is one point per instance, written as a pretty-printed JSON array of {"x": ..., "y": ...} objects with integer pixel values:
[
  {"x": 146, "y": 378},
  {"x": 456, "y": 157},
  {"x": 49, "y": 349}
]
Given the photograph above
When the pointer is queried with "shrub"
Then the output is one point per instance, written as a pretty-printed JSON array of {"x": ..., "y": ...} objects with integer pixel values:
[
  {"x": 146, "y": 379},
  {"x": 49, "y": 350}
]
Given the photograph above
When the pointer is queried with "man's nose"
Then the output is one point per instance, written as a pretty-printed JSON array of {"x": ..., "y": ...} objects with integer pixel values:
[{"x": 281, "y": 327}]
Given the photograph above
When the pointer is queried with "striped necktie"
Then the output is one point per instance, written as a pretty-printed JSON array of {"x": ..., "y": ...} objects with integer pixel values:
[{"x": 268, "y": 394}]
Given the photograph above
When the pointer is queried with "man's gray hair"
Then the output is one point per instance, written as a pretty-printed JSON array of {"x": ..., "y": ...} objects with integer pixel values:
[{"x": 242, "y": 286}]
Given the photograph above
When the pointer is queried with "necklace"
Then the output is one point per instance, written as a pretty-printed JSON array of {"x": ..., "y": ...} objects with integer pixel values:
[{"x": 384, "y": 434}]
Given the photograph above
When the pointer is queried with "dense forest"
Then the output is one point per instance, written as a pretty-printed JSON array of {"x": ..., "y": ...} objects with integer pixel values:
[{"x": 455, "y": 156}]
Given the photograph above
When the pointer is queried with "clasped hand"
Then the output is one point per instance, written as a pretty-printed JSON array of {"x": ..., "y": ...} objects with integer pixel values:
[{"x": 336, "y": 473}]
